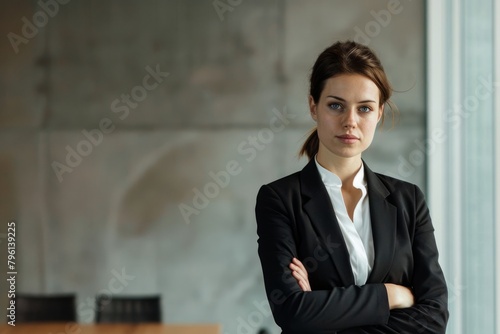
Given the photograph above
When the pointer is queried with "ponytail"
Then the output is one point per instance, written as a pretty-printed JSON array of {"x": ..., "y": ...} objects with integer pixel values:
[{"x": 311, "y": 145}]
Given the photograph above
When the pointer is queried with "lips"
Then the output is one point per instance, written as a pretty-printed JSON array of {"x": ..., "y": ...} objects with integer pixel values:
[{"x": 348, "y": 139}]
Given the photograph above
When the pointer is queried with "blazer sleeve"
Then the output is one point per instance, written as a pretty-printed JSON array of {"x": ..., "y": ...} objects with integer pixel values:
[
  {"x": 318, "y": 311},
  {"x": 430, "y": 313}
]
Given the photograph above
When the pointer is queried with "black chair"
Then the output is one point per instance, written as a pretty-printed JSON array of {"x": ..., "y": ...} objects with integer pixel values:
[
  {"x": 45, "y": 308},
  {"x": 128, "y": 309}
]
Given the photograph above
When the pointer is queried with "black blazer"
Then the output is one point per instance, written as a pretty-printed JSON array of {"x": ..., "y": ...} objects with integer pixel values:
[{"x": 295, "y": 218}]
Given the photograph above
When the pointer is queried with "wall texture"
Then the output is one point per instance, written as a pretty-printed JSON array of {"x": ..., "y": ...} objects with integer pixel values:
[{"x": 134, "y": 137}]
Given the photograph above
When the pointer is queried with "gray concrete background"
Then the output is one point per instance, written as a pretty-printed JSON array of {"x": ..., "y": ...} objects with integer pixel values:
[{"x": 228, "y": 75}]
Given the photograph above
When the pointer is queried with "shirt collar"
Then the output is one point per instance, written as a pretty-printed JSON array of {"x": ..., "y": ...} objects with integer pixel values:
[{"x": 331, "y": 179}]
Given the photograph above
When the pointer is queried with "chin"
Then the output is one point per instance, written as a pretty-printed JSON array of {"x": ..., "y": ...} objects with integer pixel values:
[{"x": 347, "y": 153}]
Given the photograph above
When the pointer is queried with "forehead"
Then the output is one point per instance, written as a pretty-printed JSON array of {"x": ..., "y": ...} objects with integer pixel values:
[{"x": 351, "y": 87}]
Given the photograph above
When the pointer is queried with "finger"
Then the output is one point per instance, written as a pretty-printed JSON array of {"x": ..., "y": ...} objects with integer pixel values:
[
  {"x": 304, "y": 286},
  {"x": 302, "y": 273},
  {"x": 299, "y": 276},
  {"x": 303, "y": 283},
  {"x": 298, "y": 263},
  {"x": 297, "y": 268}
]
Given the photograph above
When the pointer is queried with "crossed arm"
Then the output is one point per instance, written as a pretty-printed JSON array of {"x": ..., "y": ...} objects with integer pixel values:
[
  {"x": 398, "y": 296},
  {"x": 372, "y": 308}
]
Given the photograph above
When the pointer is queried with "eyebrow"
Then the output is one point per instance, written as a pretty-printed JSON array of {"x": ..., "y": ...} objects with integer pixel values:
[{"x": 343, "y": 100}]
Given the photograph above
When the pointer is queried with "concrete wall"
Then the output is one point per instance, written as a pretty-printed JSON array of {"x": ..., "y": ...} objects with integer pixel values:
[{"x": 225, "y": 76}]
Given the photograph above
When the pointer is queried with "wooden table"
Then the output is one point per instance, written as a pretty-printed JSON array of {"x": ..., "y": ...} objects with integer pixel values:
[{"x": 72, "y": 328}]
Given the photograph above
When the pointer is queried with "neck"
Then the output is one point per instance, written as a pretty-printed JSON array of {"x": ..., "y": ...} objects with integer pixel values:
[{"x": 344, "y": 168}]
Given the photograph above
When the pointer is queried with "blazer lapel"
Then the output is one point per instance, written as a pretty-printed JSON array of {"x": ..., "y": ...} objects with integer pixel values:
[
  {"x": 384, "y": 222},
  {"x": 320, "y": 211}
]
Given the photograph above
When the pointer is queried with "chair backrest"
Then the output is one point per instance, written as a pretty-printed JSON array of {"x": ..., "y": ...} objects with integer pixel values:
[
  {"x": 128, "y": 309},
  {"x": 45, "y": 308}
]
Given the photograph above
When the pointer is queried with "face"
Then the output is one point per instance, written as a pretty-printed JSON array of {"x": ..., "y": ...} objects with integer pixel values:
[{"x": 346, "y": 115}]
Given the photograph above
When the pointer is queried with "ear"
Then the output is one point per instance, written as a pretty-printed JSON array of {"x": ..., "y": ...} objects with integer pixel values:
[
  {"x": 313, "y": 108},
  {"x": 380, "y": 112}
]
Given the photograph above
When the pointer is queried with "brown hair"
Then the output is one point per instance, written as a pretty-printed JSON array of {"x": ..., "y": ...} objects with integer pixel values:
[{"x": 345, "y": 58}]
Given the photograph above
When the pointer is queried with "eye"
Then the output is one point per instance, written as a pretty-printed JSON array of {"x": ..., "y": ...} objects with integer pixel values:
[
  {"x": 365, "y": 109},
  {"x": 335, "y": 106}
]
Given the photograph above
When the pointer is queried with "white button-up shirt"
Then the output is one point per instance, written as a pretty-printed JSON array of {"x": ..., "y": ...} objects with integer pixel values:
[{"x": 358, "y": 233}]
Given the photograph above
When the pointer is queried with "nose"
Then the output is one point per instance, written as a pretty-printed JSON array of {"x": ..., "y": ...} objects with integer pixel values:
[{"x": 350, "y": 119}]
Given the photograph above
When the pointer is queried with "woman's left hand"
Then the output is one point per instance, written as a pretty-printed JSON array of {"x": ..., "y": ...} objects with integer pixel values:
[{"x": 299, "y": 272}]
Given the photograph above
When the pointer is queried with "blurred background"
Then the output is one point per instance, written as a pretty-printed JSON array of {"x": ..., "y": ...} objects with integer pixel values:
[{"x": 134, "y": 136}]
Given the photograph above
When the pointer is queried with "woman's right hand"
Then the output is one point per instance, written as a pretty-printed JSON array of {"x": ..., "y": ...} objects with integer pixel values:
[
  {"x": 399, "y": 296},
  {"x": 299, "y": 272}
]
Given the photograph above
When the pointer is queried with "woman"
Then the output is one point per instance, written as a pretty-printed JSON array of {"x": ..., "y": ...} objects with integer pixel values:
[{"x": 344, "y": 249}]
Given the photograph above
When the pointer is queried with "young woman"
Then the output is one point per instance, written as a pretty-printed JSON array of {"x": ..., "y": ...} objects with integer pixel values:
[{"x": 344, "y": 249}]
